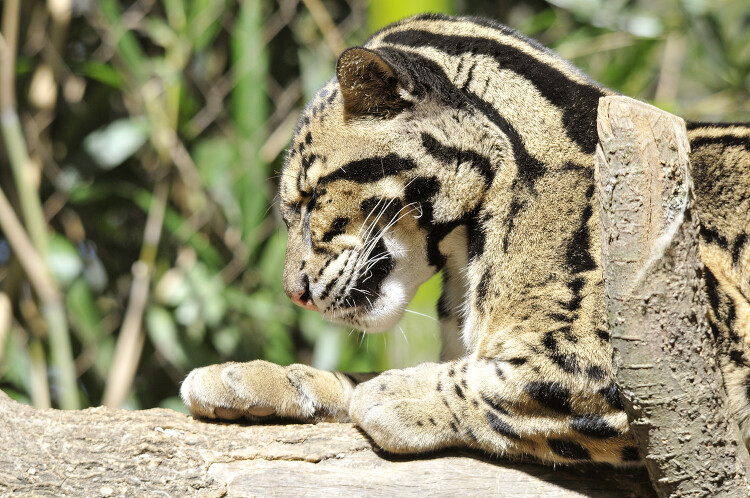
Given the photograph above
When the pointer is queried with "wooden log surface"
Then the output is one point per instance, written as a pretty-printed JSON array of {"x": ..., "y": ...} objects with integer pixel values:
[
  {"x": 158, "y": 452},
  {"x": 671, "y": 385}
]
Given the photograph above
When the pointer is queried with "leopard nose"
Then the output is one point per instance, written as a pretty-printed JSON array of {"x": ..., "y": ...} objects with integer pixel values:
[{"x": 303, "y": 297}]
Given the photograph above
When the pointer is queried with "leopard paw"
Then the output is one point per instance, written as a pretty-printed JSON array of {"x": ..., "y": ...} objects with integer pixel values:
[
  {"x": 259, "y": 389},
  {"x": 398, "y": 412}
]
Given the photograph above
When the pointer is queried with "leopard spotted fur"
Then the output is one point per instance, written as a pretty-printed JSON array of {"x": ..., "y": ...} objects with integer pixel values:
[{"x": 458, "y": 145}]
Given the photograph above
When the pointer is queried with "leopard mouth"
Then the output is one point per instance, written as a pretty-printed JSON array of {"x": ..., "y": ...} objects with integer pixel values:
[{"x": 361, "y": 300}]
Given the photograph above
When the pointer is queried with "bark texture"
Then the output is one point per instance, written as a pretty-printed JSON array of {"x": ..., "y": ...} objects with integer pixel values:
[
  {"x": 671, "y": 386},
  {"x": 110, "y": 452}
]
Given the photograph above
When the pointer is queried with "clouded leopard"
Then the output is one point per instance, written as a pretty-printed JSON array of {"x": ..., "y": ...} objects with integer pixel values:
[{"x": 458, "y": 145}]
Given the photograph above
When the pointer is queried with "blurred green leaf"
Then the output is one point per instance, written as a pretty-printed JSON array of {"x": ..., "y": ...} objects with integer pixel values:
[
  {"x": 128, "y": 48},
  {"x": 327, "y": 350},
  {"x": 83, "y": 312},
  {"x": 250, "y": 111},
  {"x": 226, "y": 340},
  {"x": 111, "y": 145},
  {"x": 163, "y": 332},
  {"x": 204, "y": 20},
  {"x": 63, "y": 259},
  {"x": 384, "y": 12},
  {"x": 104, "y": 73},
  {"x": 15, "y": 367},
  {"x": 160, "y": 32},
  {"x": 181, "y": 229},
  {"x": 216, "y": 159}
]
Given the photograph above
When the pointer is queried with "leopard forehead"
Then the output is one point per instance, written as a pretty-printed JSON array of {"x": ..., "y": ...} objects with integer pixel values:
[{"x": 326, "y": 147}]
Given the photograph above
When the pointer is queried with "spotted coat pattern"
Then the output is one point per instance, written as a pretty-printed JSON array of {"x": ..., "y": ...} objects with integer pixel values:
[{"x": 458, "y": 145}]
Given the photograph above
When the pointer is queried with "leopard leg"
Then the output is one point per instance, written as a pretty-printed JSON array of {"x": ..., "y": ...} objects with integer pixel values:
[
  {"x": 259, "y": 389},
  {"x": 487, "y": 404}
]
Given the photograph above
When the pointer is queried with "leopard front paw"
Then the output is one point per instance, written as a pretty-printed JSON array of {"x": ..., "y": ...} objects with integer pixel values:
[
  {"x": 259, "y": 389},
  {"x": 400, "y": 414}
]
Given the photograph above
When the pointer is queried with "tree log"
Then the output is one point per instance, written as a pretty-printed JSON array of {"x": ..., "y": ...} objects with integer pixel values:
[
  {"x": 671, "y": 386},
  {"x": 111, "y": 452}
]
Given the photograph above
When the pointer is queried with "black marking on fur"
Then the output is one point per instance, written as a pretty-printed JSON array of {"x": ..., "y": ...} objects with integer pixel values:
[
  {"x": 500, "y": 426},
  {"x": 482, "y": 288},
  {"x": 723, "y": 140},
  {"x": 560, "y": 317},
  {"x": 495, "y": 405},
  {"x": 420, "y": 191},
  {"x": 611, "y": 394},
  {"x": 476, "y": 238},
  {"x": 603, "y": 335},
  {"x": 370, "y": 169},
  {"x": 443, "y": 309},
  {"x": 578, "y": 254},
  {"x": 307, "y": 161},
  {"x": 451, "y": 155},
  {"x": 337, "y": 228},
  {"x": 579, "y": 102},
  {"x": 568, "y": 333},
  {"x": 454, "y": 428},
  {"x": 550, "y": 395},
  {"x": 424, "y": 74},
  {"x": 737, "y": 247},
  {"x": 323, "y": 268},
  {"x": 738, "y": 357},
  {"x": 510, "y": 220},
  {"x": 568, "y": 449},
  {"x": 549, "y": 341},
  {"x": 712, "y": 286},
  {"x": 593, "y": 425},
  {"x": 328, "y": 288},
  {"x": 567, "y": 362},
  {"x": 459, "y": 391},
  {"x": 369, "y": 206},
  {"x": 333, "y": 95},
  {"x": 432, "y": 421},
  {"x": 595, "y": 372},
  {"x": 498, "y": 371},
  {"x": 630, "y": 454},
  {"x": 711, "y": 236},
  {"x": 575, "y": 286},
  {"x": 367, "y": 285},
  {"x": 518, "y": 361}
]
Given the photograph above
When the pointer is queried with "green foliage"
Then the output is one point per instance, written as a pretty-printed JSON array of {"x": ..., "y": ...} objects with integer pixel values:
[{"x": 202, "y": 96}]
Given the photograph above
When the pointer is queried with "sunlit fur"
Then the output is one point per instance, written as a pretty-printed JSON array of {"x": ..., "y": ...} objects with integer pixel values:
[{"x": 458, "y": 145}]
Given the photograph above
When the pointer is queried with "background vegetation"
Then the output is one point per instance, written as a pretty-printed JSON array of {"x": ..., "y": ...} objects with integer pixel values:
[{"x": 141, "y": 144}]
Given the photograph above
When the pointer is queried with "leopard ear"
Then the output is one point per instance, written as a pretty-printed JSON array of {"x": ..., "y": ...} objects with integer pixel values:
[{"x": 369, "y": 85}]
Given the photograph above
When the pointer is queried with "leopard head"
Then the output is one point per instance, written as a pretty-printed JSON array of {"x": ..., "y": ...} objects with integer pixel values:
[{"x": 362, "y": 194}]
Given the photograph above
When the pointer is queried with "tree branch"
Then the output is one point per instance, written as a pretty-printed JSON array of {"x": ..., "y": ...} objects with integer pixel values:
[{"x": 112, "y": 452}]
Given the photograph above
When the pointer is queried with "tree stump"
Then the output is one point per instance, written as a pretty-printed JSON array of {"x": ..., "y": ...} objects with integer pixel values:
[{"x": 671, "y": 385}]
